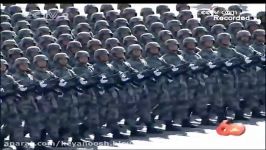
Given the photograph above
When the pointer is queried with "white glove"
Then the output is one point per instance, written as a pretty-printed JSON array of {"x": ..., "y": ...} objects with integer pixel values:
[
  {"x": 124, "y": 77},
  {"x": 157, "y": 72},
  {"x": 205, "y": 76},
  {"x": 42, "y": 84},
  {"x": 103, "y": 79},
  {"x": 262, "y": 58},
  {"x": 174, "y": 69},
  {"x": 193, "y": 67},
  {"x": 258, "y": 68},
  {"x": 62, "y": 83},
  {"x": 211, "y": 65},
  {"x": 39, "y": 97},
  {"x": 140, "y": 76},
  {"x": 228, "y": 64},
  {"x": 22, "y": 88},
  {"x": 101, "y": 92},
  {"x": 2, "y": 90},
  {"x": 83, "y": 81},
  {"x": 247, "y": 60},
  {"x": 169, "y": 80}
]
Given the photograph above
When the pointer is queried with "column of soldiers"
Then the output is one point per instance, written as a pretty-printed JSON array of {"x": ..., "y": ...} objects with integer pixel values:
[{"x": 78, "y": 75}]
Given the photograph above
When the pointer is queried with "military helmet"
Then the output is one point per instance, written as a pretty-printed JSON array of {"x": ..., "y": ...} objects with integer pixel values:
[
  {"x": 111, "y": 42},
  {"x": 39, "y": 57},
  {"x": 208, "y": 19},
  {"x": 90, "y": 9},
  {"x": 97, "y": 16},
  {"x": 201, "y": 13},
  {"x": 151, "y": 19},
  {"x": 22, "y": 24},
  {"x": 189, "y": 40},
  {"x": 139, "y": 27},
  {"x": 122, "y": 6},
  {"x": 43, "y": 30},
  {"x": 73, "y": 44},
  {"x": 180, "y": 7},
  {"x": 6, "y": 35},
  {"x": 6, "y": 26},
  {"x": 128, "y": 13},
  {"x": 121, "y": 32},
  {"x": 192, "y": 21},
  {"x": 145, "y": 11},
  {"x": 235, "y": 8},
  {"x": 106, "y": 7},
  {"x": 31, "y": 6},
  {"x": 62, "y": 20},
  {"x": 250, "y": 23},
  {"x": 93, "y": 42},
  {"x": 104, "y": 32},
  {"x": 260, "y": 15},
  {"x": 171, "y": 41},
  {"x": 45, "y": 38},
  {"x": 133, "y": 47},
  {"x": 135, "y": 21},
  {"x": 81, "y": 53},
  {"x": 221, "y": 36},
  {"x": 5, "y": 18},
  {"x": 101, "y": 24},
  {"x": 4, "y": 62},
  {"x": 234, "y": 25},
  {"x": 183, "y": 31},
  {"x": 160, "y": 9},
  {"x": 163, "y": 33},
  {"x": 14, "y": 9},
  {"x": 219, "y": 10},
  {"x": 111, "y": 15},
  {"x": 21, "y": 60},
  {"x": 79, "y": 19},
  {"x": 167, "y": 16},
  {"x": 59, "y": 56},
  {"x": 150, "y": 45},
  {"x": 99, "y": 52},
  {"x": 71, "y": 11},
  {"x": 61, "y": 30},
  {"x": 48, "y": 6},
  {"x": 246, "y": 14},
  {"x": 66, "y": 5},
  {"x": 199, "y": 29},
  {"x": 217, "y": 27},
  {"x": 206, "y": 38},
  {"x": 156, "y": 25},
  {"x": 35, "y": 14},
  {"x": 15, "y": 51},
  {"x": 146, "y": 38},
  {"x": 26, "y": 41},
  {"x": 258, "y": 32},
  {"x": 83, "y": 36},
  {"x": 129, "y": 39},
  {"x": 183, "y": 13},
  {"x": 9, "y": 42},
  {"x": 83, "y": 27},
  {"x": 17, "y": 17},
  {"x": 38, "y": 22},
  {"x": 24, "y": 33},
  {"x": 173, "y": 23},
  {"x": 32, "y": 49},
  {"x": 53, "y": 46},
  {"x": 242, "y": 33},
  {"x": 119, "y": 22},
  {"x": 117, "y": 49}
]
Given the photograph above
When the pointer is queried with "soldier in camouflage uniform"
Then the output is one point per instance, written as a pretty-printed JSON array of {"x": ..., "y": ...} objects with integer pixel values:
[
  {"x": 144, "y": 107},
  {"x": 92, "y": 46},
  {"x": 128, "y": 98},
  {"x": 229, "y": 81},
  {"x": 68, "y": 102},
  {"x": 72, "y": 48},
  {"x": 247, "y": 84},
  {"x": 13, "y": 54},
  {"x": 52, "y": 49},
  {"x": 233, "y": 28},
  {"x": 213, "y": 83}
]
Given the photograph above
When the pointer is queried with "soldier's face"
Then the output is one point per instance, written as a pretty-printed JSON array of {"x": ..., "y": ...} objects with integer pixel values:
[
  {"x": 136, "y": 53},
  {"x": 260, "y": 38},
  {"x": 173, "y": 47},
  {"x": 94, "y": 47},
  {"x": 53, "y": 52},
  {"x": 191, "y": 46},
  {"x": 74, "y": 50},
  {"x": 176, "y": 28},
  {"x": 253, "y": 28},
  {"x": 23, "y": 67},
  {"x": 225, "y": 41},
  {"x": 15, "y": 56},
  {"x": 83, "y": 59},
  {"x": 154, "y": 50},
  {"x": 3, "y": 68},
  {"x": 208, "y": 44},
  {"x": 7, "y": 47},
  {"x": 245, "y": 39},
  {"x": 120, "y": 56},
  {"x": 42, "y": 63},
  {"x": 63, "y": 61},
  {"x": 104, "y": 58},
  {"x": 166, "y": 37}
]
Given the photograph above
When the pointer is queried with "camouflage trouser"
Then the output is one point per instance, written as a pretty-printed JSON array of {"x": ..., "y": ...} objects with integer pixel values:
[
  {"x": 260, "y": 87},
  {"x": 178, "y": 92},
  {"x": 108, "y": 107},
  {"x": 160, "y": 99},
  {"x": 128, "y": 104},
  {"x": 229, "y": 92},
  {"x": 144, "y": 104}
]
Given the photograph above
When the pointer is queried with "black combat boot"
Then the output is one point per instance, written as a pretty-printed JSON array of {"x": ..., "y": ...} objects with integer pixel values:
[
  {"x": 100, "y": 138},
  {"x": 152, "y": 129},
  {"x": 135, "y": 132},
  {"x": 239, "y": 115},
  {"x": 256, "y": 113},
  {"x": 187, "y": 124},
  {"x": 221, "y": 113},
  {"x": 118, "y": 135},
  {"x": 207, "y": 122},
  {"x": 170, "y": 126}
]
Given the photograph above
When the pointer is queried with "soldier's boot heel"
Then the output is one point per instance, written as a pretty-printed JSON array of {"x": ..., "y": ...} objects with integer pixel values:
[
  {"x": 187, "y": 124},
  {"x": 207, "y": 122},
  {"x": 256, "y": 113},
  {"x": 239, "y": 115},
  {"x": 135, "y": 132},
  {"x": 100, "y": 138},
  {"x": 152, "y": 129},
  {"x": 118, "y": 135},
  {"x": 170, "y": 126}
]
